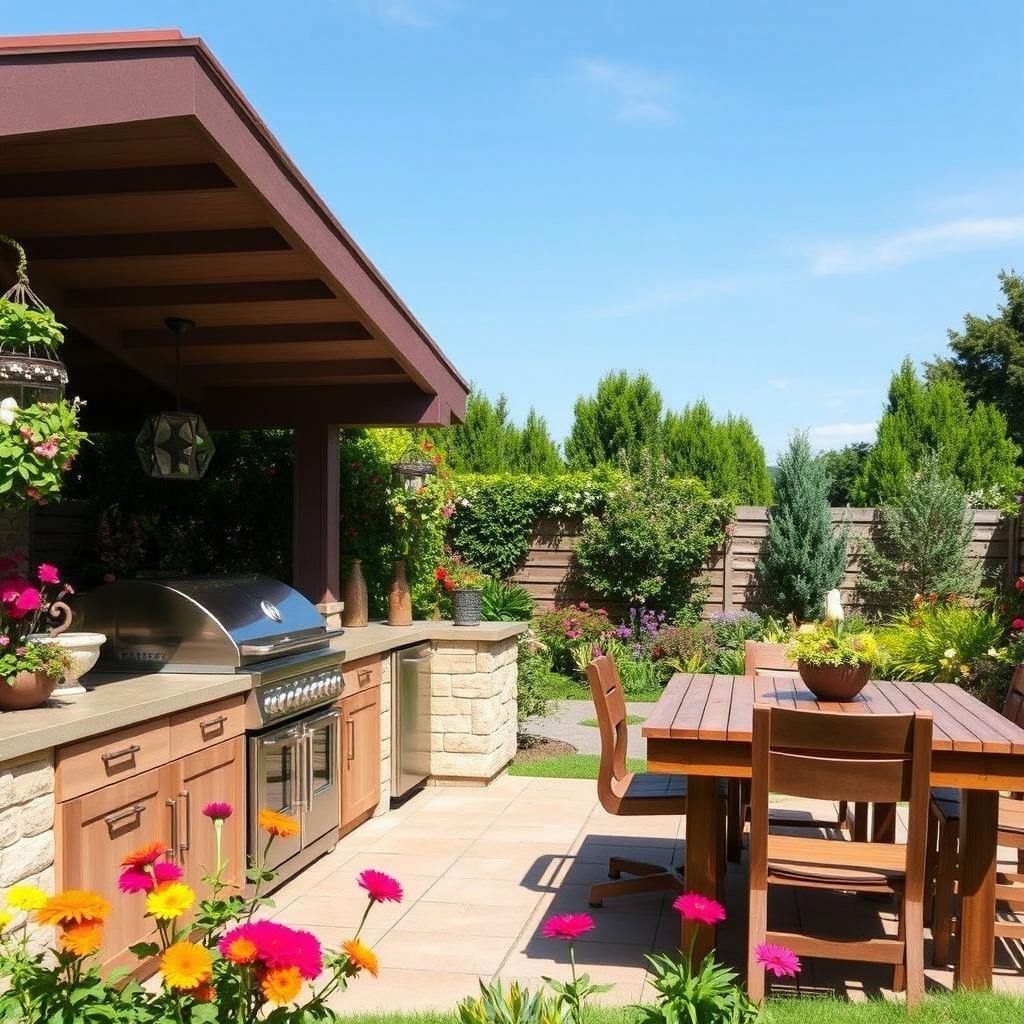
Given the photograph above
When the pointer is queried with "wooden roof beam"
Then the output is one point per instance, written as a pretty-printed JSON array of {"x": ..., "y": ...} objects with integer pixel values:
[
  {"x": 204, "y": 293},
  {"x": 155, "y": 243},
  {"x": 322, "y": 371},
  {"x": 256, "y": 334},
  {"x": 108, "y": 181}
]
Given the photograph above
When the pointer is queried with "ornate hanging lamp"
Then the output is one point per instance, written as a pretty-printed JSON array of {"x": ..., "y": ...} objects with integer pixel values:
[
  {"x": 175, "y": 445},
  {"x": 29, "y": 339}
]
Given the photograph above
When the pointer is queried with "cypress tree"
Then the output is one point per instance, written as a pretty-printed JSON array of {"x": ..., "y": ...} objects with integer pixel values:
[
  {"x": 802, "y": 558},
  {"x": 753, "y": 481},
  {"x": 624, "y": 415},
  {"x": 532, "y": 449}
]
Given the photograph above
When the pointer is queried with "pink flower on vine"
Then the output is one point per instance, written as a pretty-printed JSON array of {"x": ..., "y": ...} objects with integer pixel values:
[
  {"x": 47, "y": 450},
  {"x": 26, "y": 433}
]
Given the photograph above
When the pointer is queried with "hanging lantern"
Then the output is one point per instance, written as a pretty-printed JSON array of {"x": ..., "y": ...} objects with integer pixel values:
[
  {"x": 29, "y": 338},
  {"x": 413, "y": 469},
  {"x": 175, "y": 445}
]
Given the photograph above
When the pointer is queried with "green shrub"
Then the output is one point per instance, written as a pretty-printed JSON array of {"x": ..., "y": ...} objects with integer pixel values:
[
  {"x": 516, "y": 1006},
  {"x": 942, "y": 641},
  {"x": 536, "y": 684},
  {"x": 687, "y": 648},
  {"x": 503, "y": 602},
  {"x": 654, "y": 536},
  {"x": 707, "y": 994},
  {"x": 564, "y": 630},
  {"x": 923, "y": 542}
]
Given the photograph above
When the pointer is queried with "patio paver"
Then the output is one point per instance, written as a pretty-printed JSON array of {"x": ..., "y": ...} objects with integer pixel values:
[{"x": 483, "y": 869}]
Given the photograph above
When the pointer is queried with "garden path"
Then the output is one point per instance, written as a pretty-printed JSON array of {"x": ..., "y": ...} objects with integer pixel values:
[
  {"x": 563, "y": 723},
  {"x": 483, "y": 868}
]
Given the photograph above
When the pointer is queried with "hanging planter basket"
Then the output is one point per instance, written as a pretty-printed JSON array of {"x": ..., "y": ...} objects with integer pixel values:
[
  {"x": 30, "y": 335},
  {"x": 413, "y": 469}
]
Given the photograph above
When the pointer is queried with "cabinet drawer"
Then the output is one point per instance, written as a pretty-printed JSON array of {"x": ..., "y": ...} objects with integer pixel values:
[
  {"x": 204, "y": 726},
  {"x": 101, "y": 760},
  {"x": 361, "y": 674}
]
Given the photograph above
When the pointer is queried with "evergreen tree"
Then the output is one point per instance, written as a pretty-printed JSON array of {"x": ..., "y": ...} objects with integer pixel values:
[
  {"x": 624, "y": 415},
  {"x": 988, "y": 356},
  {"x": 802, "y": 557},
  {"x": 844, "y": 467},
  {"x": 921, "y": 416},
  {"x": 753, "y": 481},
  {"x": 922, "y": 544},
  {"x": 533, "y": 450}
]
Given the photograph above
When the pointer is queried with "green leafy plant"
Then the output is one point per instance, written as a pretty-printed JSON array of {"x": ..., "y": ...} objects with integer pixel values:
[
  {"x": 823, "y": 646},
  {"x": 923, "y": 542},
  {"x": 504, "y": 602},
  {"x": 650, "y": 543},
  {"x": 34, "y": 656},
  {"x": 708, "y": 995},
  {"x": 37, "y": 446},
  {"x": 518, "y": 1005},
  {"x": 534, "y": 684},
  {"x": 563, "y": 631},
  {"x": 24, "y": 329}
]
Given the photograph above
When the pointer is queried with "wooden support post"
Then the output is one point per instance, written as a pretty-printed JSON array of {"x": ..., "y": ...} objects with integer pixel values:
[{"x": 316, "y": 571}]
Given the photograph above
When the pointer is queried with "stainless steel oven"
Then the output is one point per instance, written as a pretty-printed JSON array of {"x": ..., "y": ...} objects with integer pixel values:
[{"x": 294, "y": 769}]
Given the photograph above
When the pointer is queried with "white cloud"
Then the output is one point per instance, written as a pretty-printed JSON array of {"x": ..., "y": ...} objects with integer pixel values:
[
  {"x": 633, "y": 92},
  {"x": 411, "y": 13},
  {"x": 842, "y": 433},
  {"x": 915, "y": 244},
  {"x": 666, "y": 296}
]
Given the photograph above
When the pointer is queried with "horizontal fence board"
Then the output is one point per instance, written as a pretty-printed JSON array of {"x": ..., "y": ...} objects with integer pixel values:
[{"x": 997, "y": 544}]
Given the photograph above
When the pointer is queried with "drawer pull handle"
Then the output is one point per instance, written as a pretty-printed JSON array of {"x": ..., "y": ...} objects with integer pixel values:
[
  {"x": 173, "y": 852},
  {"x": 211, "y": 722},
  {"x": 131, "y": 812},
  {"x": 186, "y": 795},
  {"x": 363, "y": 675},
  {"x": 115, "y": 755}
]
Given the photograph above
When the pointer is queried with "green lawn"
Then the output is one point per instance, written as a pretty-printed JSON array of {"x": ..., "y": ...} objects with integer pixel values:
[
  {"x": 959, "y": 1008},
  {"x": 570, "y": 766},
  {"x": 630, "y": 720}
]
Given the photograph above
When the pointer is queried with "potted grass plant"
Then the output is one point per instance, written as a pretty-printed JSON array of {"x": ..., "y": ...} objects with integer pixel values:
[{"x": 834, "y": 660}]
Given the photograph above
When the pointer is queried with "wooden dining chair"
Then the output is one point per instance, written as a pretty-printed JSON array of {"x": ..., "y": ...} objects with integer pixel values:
[
  {"x": 822, "y": 756},
  {"x": 944, "y": 848},
  {"x": 765, "y": 659},
  {"x": 622, "y": 792}
]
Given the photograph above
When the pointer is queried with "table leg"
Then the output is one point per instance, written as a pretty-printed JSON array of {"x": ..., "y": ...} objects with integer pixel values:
[
  {"x": 703, "y": 846},
  {"x": 979, "y": 824},
  {"x": 883, "y": 823}
]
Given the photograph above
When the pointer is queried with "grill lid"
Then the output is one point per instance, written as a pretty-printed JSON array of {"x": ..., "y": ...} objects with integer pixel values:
[{"x": 200, "y": 624}]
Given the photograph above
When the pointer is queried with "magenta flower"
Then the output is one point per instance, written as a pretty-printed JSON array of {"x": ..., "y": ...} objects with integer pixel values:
[
  {"x": 568, "y": 927},
  {"x": 47, "y": 450},
  {"x": 5, "y": 641},
  {"x": 218, "y": 810},
  {"x": 277, "y": 945},
  {"x": 48, "y": 573},
  {"x": 19, "y": 597},
  {"x": 695, "y": 907},
  {"x": 382, "y": 888},
  {"x": 135, "y": 880},
  {"x": 165, "y": 871},
  {"x": 778, "y": 960}
]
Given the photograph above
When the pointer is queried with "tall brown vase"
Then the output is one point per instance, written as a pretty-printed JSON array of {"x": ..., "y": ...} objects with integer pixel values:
[
  {"x": 357, "y": 605},
  {"x": 399, "y": 598}
]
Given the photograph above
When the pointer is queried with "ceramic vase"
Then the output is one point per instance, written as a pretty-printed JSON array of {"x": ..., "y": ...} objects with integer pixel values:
[
  {"x": 30, "y": 689},
  {"x": 834, "y": 683},
  {"x": 357, "y": 607},
  {"x": 399, "y": 598}
]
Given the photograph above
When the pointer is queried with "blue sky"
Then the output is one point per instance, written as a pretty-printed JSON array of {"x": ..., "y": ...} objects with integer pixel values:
[{"x": 765, "y": 204}]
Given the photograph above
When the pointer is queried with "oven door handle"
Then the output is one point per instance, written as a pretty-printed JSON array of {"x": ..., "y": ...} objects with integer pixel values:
[
  {"x": 287, "y": 644},
  {"x": 308, "y": 737}
]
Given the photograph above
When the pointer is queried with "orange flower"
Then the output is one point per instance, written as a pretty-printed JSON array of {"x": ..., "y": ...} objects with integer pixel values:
[
  {"x": 361, "y": 955},
  {"x": 204, "y": 992},
  {"x": 281, "y": 985},
  {"x": 144, "y": 855},
  {"x": 82, "y": 938},
  {"x": 279, "y": 825},
  {"x": 72, "y": 906},
  {"x": 241, "y": 951},
  {"x": 186, "y": 965}
]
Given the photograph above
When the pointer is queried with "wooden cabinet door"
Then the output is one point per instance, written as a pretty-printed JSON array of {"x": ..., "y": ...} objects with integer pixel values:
[
  {"x": 360, "y": 756},
  {"x": 214, "y": 774},
  {"x": 94, "y": 832}
]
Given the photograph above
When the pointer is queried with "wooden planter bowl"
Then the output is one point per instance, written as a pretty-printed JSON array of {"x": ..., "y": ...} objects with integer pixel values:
[
  {"x": 836, "y": 683},
  {"x": 30, "y": 689}
]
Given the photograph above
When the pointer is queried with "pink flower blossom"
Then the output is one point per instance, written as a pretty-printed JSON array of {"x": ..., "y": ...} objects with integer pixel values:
[
  {"x": 1017, "y": 624},
  {"x": 5, "y": 641},
  {"x": 27, "y": 435},
  {"x": 568, "y": 927},
  {"x": 31, "y": 492},
  {"x": 778, "y": 960},
  {"x": 20, "y": 652},
  {"x": 165, "y": 871},
  {"x": 277, "y": 945},
  {"x": 135, "y": 880},
  {"x": 47, "y": 450},
  {"x": 382, "y": 888},
  {"x": 48, "y": 573},
  {"x": 19, "y": 597},
  {"x": 1019, "y": 584},
  {"x": 695, "y": 907},
  {"x": 218, "y": 810}
]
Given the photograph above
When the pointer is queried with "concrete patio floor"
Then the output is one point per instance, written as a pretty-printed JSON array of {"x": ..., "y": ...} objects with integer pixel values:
[{"x": 482, "y": 870}]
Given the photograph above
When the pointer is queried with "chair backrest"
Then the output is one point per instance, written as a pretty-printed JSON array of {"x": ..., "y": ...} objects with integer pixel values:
[
  {"x": 819, "y": 755},
  {"x": 610, "y": 702},
  {"x": 1013, "y": 709},
  {"x": 765, "y": 658}
]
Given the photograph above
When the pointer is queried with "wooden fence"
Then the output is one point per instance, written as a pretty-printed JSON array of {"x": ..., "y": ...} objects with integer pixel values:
[{"x": 546, "y": 571}]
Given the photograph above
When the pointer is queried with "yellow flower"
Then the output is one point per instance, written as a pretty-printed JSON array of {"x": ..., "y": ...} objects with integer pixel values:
[
  {"x": 82, "y": 938},
  {"x": 26, "y": 897},
  {"x": 170, "y": 900},
  {"x": 281, "y": 985},
  {"x": 965, "y": 670},
  {"x": 186, "y": 965},
  {"x": 361, "y": 955},
  {"x": 5, "y": 919}
]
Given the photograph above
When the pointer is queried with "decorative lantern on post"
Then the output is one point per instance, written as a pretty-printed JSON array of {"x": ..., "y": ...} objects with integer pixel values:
[
  {"x": 29, "y": 338},
  {"x": 413, "y": 469},
  {"x": 175, "y": 445}
]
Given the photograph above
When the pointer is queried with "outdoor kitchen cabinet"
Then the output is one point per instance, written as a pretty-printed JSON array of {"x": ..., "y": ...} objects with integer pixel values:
[{"x": 360, "y": 756}]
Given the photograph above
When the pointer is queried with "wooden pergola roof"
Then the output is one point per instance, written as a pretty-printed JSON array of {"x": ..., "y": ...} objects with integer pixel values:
[{"x": 143, "y": 185}]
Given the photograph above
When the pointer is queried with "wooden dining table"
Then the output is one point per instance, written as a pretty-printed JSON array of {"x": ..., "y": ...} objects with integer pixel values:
[{"x": 702, "y": 727}]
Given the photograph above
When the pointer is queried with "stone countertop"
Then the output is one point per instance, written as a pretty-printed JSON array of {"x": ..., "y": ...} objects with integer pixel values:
[{"x": 117, "y": 701}]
